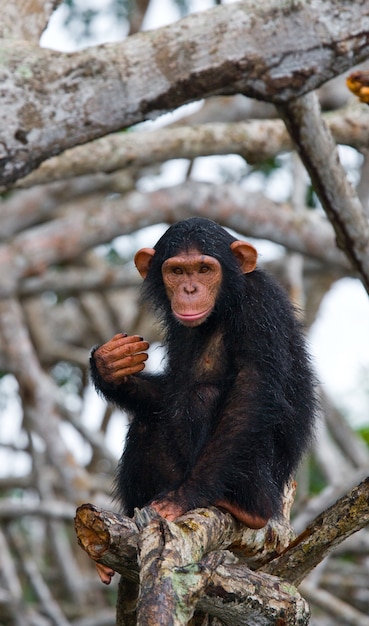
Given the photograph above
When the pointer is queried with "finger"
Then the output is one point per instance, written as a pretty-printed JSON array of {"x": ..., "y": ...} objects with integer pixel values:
[
  {"x": 123, "y": 339},
  {"x": 120, "y": 357},
  {"x": 126, "y": 345},
  {"x": 117, "y": 371},
  {"x": 121, "y": 375},
  {"x": 115, "y": 351},
  {"x": 133, "y": 367},
  {"x": 129, "y": 360}
]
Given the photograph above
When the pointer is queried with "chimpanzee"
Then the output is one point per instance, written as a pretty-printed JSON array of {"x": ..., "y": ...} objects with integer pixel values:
[{"x": 228, "y": 420}]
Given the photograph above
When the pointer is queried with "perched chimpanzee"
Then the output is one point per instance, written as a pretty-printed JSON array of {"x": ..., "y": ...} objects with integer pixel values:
[{"x": 228, "y": 420}]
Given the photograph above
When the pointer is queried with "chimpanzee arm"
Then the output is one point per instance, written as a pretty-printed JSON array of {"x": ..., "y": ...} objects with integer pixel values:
[
  {"x": 116, "y": 371},
  {"x": 247, "y": 459}
]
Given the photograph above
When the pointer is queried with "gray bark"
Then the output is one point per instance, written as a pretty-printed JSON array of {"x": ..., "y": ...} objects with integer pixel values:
[
  {"x": 52, "y": 101},
  {"x": 97, "y": 220},
  {"x": 254, "y": 140}
]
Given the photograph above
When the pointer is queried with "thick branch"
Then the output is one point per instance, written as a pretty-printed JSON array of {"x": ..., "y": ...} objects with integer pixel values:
[
  {"x": 255, "y": 141},
  {"x": 242, "y": 597},
  {"x": 184, "y": 562},
  {"x": 51, "y": 102},
  {"x": 112, "y": 539},
  {"x": 109, "y": 538},
  {"x": 22, "y": 19},
  {"x": 339, "y": 199},
  {"x": 178, "y": 565},
  {"x": 215, "y": 585},
  {"x": 345, "y": 517}
]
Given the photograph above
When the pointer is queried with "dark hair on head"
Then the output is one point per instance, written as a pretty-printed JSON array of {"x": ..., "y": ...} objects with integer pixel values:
[{"x": 196, "y": 232}]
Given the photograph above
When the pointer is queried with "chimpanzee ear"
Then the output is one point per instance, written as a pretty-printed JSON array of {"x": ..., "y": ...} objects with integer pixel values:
[
  {"x": 143, "y": 260},
  {"x": 245, "y": 254}
]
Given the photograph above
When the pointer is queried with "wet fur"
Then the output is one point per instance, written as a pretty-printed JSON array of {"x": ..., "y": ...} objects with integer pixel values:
[{"x": 234, "y": 410}]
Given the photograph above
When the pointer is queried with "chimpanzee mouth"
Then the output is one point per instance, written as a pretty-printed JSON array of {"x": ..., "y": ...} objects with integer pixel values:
[{"x": 189, "y": 318}]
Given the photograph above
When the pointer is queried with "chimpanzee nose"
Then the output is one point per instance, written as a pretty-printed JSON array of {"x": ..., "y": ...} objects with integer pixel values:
[{"x": 190, "y": 288}]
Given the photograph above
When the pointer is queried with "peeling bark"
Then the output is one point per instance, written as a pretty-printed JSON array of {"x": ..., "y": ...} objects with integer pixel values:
[{"x": 187, "y": 566}]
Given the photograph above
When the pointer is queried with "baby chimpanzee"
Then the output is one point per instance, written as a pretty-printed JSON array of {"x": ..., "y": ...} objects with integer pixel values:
[{"x": 228, "y": 420}]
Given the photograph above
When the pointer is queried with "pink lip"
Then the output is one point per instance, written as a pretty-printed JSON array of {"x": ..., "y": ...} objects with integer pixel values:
[{"x": 192, "y": 317}]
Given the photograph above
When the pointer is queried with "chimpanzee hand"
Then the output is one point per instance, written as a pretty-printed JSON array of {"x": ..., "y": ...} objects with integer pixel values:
[{"x": 121, "y": 357}]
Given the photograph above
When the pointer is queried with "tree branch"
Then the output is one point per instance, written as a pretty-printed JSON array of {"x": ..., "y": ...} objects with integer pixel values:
[
  {"x": 38, "y": 393},
  {"x": 254, "y": 140},
  {"x": 112, "y": 539},
  {"x": 343, "y": 612},
  {"x": 179, "y": 565},
  {"x": 99, "y": 220},
  {"x": 53, "y": 101},
  {"x": 184, "y": 562},
  {"x": 49, "y": 509},
  {"x": 339, "y": 199},
  {"x": 22, "y": 19},
  {"x": 345, "y": 517}
]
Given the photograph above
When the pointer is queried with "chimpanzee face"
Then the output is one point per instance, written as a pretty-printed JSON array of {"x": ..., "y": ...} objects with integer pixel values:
[{"x": 192, "y": 281}]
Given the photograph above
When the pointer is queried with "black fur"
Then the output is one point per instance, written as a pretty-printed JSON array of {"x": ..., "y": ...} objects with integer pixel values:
[{"x": 237, "y": 429}]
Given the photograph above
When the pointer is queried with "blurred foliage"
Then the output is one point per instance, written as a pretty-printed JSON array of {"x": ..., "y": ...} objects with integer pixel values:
[
  {"x": 317, "y": 481},
  {"x": 364, "y": 432},
  {"x": 311, "y": 198},
  {"x": 268, "y": 166}
]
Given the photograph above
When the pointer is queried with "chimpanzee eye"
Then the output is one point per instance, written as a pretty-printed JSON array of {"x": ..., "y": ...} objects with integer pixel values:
[
  {"x": 204, "y": 269},
  {"x": 177, "y": 270}
]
